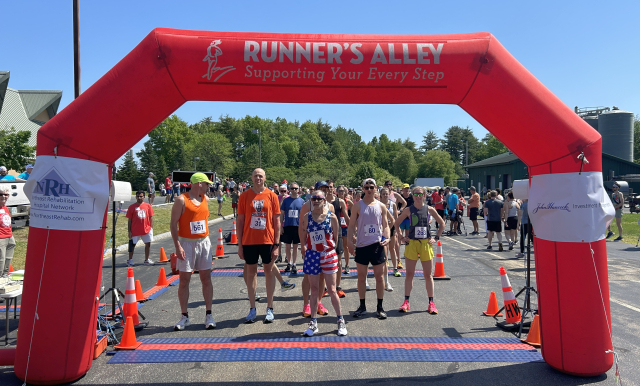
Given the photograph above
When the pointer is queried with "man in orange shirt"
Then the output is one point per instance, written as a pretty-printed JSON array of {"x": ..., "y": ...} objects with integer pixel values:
[
  {"x": 258, "y": 235},
  {"x": 190, "y": 233},
  {"x": 140, "y": 226},
  {"x": 474, "y": 205}
]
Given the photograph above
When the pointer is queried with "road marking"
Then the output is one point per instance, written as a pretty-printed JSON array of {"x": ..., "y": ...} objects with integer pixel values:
[
  {"x": 470, "y": 246},
  {"x": 624, "y": 304}
]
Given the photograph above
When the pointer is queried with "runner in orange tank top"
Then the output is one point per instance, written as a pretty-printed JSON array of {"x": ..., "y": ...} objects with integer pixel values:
[{"x": 190, "y": 233}]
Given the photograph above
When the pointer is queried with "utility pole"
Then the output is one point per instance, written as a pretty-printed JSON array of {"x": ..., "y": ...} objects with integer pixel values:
[
  {"x": 256, "y": 131},
  {"x": 76, "y": 48}
]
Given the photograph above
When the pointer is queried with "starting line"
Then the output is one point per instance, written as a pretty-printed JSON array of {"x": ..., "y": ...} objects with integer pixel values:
[
  {"x": 238, "y": 273},
  {"x": 320, "y": 349}
]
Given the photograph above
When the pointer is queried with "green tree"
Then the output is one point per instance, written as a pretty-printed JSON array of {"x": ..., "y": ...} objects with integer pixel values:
[
  {"x": 215, "y": 152},
  {"x": 455, "y": 143},
  {"x": 278, "y": 174},
  {"x": 438, "y": 163},
  {"x": 165, "y": 141},
  {"x": 14, "y": 149},
  {"x": 129, "y": 172},
  {"x": 362, "y": 171},
  {"x": 404, "y": 165},
  {"x": 430, "y": 141},
  {"x": 492, "y": 147}
]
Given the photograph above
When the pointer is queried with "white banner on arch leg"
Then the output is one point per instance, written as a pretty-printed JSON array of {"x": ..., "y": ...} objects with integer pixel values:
[
  {"x": 569, "y": 207},
  {"x": 67, "y": 193}
]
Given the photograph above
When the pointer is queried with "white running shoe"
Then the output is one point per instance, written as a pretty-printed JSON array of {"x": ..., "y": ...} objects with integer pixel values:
[
  {"x": 388, "y": 287},
  {"x": 313, "y": 328},
  {"x": 342, "y": 328},
  {"x": 130, "y": 263},
  {"x": 209, "y": 324},
  {"x": 148, "y": 262},
  {"x": 366, "y": 283},
  {"x": 184, "y": 322}
]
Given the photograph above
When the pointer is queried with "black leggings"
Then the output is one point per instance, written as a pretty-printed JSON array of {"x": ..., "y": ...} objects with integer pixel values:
[{"x": 525, "y": 230}]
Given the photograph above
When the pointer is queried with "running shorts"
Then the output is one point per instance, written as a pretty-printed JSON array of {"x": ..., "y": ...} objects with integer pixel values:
[
  {"x": 252, "y": 252},
  {"x": 371, "y": 254},
  {"x": 494, "y": 226},
  {"x": 473, "y": 214},
  {"x": 197, "y": 255},
  {"x": 320, "y": 262},
  {"x": 512, "y": 224},
  {"x": 290, "y": 235},
  {"x": 418, "y": 249}
]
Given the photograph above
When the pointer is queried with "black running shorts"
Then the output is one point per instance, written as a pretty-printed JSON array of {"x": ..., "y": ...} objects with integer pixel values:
[{"x": 371, "y": 254}]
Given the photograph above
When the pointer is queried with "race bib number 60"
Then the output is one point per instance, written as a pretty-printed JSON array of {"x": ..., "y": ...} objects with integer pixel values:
[
  {"x": 198, "y": 227},
  {"x": 371, "y": 230}
]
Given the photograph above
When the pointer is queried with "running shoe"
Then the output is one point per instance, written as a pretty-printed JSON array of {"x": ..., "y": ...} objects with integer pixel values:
[
  {"x": 388, "y": 287},
  {"x": 325, "y": 293},
  {"x": 520, "y": 254},
  {"x": 346, "y": 270},
  {"x": 184, "y": 322},
  {"x": 367, "y": 285},
  {"x": 400, "y": 265},
  {"x": 619, "y": 238},
  {"x": 396, "y": 273},
  {"x": 341, "y": 293},
  {"x": 609, "y": 234},
  {"x": 322, "y": 310},
  {"x": 500, "y": 249},
  {"x": 148, "y": 262},
  {"x": 287, "y": 286},
  {"x": 359, "y": 312},
  {"x": 405, "y": 307},
  {"x": 209, "y": 324},
  {"x": 312, "y": 329},
  {"x": 269, "y": 317},
  {"x": 381, "y": 314},
  {"x": 432, "y": 308},
  {"x": 130, "y": 263},
  {"x": 251, "y": 317},
  {"x": 489, "y": 247},
  {"x": 279, "y": 259},
  {"x": 342, "y": 328},
  {"x": 510, "y": 246},
  {"x": 287, "y": 268},
  {"x": 294, "y": 270},
  {"x": 306, "y": 311},
  {"x": 486, "y": 236}
]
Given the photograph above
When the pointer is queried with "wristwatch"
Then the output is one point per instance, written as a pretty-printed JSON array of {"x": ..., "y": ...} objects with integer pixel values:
[{"x": 436, "y": 237}]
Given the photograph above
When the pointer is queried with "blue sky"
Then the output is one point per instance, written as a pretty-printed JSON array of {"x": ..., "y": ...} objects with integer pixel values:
[{"x": 586, "y": 52}]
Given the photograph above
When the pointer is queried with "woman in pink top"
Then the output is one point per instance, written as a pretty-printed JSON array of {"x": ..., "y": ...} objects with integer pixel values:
[{"x": 7, "y": 242}]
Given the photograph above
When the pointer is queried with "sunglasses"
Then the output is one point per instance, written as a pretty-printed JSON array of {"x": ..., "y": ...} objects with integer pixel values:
[
  {"x": 283, "y": 191},
  {"x": 315, "y": 198},
  {"x": 369, "y": 187},
  {"x": 5, "y": 195},
  {"x": 293, "y": 188},
  {"x": 418, "y": 194}
]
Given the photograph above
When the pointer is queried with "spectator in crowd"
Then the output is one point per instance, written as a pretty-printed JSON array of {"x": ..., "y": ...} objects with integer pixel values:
[
  {"x": 525, "y": 225},
  {"x": 140, "y": 226},
  {"x": 452, "y": 204},
  {"x": 7, "y": 242},
  {"x": 220, "y": 199},
  {"x": 4, "y": 176},
  {"x": 474, "y": 204},
  {"x": 161, "y": 187},
  {"x": 169, "y": 189},
  {"x": 28, "y": 169},
  {"x": 494, "y": 213},
  {"x": 151, "y": 188},
  {"x": 235, "y": 195},
  {"x": 231, "y": 184},
  {"x": 618, "y": 202},
  {"x": 175, "y": 191}
]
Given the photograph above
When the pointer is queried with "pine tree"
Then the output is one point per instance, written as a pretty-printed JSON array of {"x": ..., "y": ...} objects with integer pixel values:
[{"x": 129, "y": 172}]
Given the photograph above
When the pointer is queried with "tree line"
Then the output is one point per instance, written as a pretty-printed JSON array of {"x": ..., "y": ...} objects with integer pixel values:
[{"x": 305, "y": 152}]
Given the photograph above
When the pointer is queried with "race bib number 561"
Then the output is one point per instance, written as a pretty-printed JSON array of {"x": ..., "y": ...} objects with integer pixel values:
[{"x": 198, "y": 227}]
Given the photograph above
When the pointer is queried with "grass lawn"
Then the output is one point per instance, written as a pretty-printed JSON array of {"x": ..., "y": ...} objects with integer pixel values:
[{"x": 161, "y": 218}]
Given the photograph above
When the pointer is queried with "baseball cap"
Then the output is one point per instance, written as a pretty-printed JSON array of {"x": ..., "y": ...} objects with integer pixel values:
[
  {"x": 199, "y": 177},
  {"x": 614, "y": 185},
  {"x": 405, "y": 186},
  {"x": 28, "y": 167},
  {"x": 319, "y": 184},
  {"x": 3, "y": 168},
  {"x": 370, "y": 181},
  {"x": 283, "y": 186}
]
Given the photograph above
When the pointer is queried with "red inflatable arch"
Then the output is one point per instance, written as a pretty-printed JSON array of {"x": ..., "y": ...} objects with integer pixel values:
[{"x": 170, "y": 67}]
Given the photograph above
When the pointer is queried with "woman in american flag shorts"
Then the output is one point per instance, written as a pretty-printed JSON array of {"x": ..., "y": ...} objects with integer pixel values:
[{"x": 317, "y": 228}]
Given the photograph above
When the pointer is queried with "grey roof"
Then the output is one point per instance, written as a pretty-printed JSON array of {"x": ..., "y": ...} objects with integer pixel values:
[
  {"x": 19, "y": 108},
  {"x": 504, "y": 158}
]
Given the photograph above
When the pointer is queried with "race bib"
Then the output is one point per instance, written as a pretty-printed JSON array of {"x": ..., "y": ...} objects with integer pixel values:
[
  {"x": 371, "y": 230},
  {"x": 317, "y": 237},
  {"x": 293, "y": 213},
  {"x": 141, "y": 213},
  {"x": 258, "y": 223},
  {"x": 343, "y": 222},
  {"x": 198, "y": 227},
  {"x": 6, "y": 220},
  {"x": 420, "y": 232}
]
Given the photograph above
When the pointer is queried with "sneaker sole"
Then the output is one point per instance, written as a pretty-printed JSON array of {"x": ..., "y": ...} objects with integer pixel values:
[
  {"x": 246, "y": 321},
  {"x": 339, "y": 334},
  {"x": 401, "y": 310},
  {"x": 382, "y": 317},
  {"x": 268, "y": 321},
  {"x": 210, "y": 327}
]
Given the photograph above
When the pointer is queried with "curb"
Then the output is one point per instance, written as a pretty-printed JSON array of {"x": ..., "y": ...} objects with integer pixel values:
[{"x": 161, "y": 236}]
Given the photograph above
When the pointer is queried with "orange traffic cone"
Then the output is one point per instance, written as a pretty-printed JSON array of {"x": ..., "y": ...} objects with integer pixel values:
[
  {"x": 128, "y": 341},
  {"x": 511, "y": 307},
  {"x": 234, "y": 237},
  {"x": 220, "y": 246},
  {"x": 162, "y": 279},
  {"x": 492, "y": 308},
  {"x": 163, "y": 257},
  {"x": 10, "y": 268},
  {"x": 130, "y": 304},
  {"x": 174, "y": 264},
  {"x": 139, "y": 294},
  {"x": 439, "y": 270},
  {"x": 533, "y": 338}
]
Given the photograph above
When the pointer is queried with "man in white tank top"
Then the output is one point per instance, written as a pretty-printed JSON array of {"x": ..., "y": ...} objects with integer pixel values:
[{"x": 372, "y": 235}]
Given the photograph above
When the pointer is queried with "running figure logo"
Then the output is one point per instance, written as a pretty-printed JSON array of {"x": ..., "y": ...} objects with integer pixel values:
[{"x": 213, "y": 51}]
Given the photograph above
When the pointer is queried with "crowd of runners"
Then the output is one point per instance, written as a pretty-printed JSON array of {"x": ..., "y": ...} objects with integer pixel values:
[{"x": 333, "y": 227}]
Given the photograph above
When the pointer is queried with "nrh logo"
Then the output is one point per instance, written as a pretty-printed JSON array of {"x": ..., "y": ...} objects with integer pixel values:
[
  {"x": 213, "y": 51},
  {"x": 53, "y": 184}
]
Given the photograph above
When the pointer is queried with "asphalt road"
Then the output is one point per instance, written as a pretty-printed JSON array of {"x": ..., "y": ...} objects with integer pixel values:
[{"x": 474, "y": 272}]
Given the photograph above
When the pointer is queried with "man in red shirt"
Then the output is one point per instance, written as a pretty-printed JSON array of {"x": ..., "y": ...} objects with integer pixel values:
[
  {"x": 169, "y": 189},
  {"x": 140, "y": 217},
  {"x": 438, "y": 203}
]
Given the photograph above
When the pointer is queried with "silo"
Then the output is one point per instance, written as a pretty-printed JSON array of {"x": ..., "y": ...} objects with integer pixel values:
[
  {"x": 616, "y": 128},
  {"x": 592, "y": 120}
]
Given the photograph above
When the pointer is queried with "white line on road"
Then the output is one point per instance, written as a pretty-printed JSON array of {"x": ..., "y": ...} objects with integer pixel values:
[
  {"x": 470, "y": 246},
  {"x": 624, "y": 304}
]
